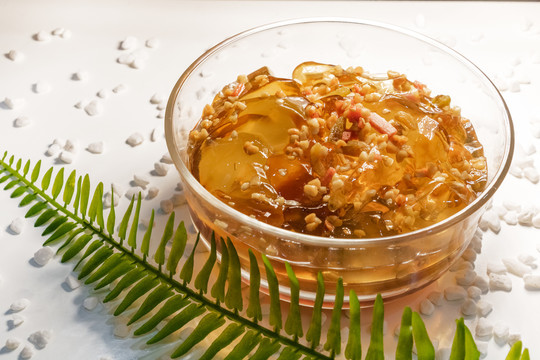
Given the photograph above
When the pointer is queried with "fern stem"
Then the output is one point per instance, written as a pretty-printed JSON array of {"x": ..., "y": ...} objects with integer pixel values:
[{"x": 181, "y": 288}]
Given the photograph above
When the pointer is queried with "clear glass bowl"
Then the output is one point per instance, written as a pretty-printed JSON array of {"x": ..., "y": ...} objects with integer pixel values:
[{"x": 392, "y": 265}]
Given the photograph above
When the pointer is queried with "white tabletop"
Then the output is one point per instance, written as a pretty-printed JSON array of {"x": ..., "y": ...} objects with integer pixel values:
[{"x": 503, "y": 39}]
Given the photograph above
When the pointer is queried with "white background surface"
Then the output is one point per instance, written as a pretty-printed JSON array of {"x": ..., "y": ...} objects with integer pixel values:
[{"x": 495, "y": 36}]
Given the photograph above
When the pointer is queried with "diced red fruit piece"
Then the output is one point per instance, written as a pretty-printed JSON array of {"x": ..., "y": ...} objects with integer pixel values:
[
  {"x": 328, "y": 176},
  {"x": 238, "y": 90},
  {"x": 381, "y": 125},
  {"x": 346, "y": 136}
]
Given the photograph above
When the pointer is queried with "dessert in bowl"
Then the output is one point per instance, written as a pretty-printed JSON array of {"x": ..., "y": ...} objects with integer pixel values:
[{"x": 354, "y": 149}]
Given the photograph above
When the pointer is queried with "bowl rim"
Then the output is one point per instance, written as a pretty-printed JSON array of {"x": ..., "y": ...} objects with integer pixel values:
[{"x": 287, "y": 235}]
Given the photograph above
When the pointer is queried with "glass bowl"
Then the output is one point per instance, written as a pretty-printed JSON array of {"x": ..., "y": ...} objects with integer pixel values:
[{"x": 393, "y": 265}]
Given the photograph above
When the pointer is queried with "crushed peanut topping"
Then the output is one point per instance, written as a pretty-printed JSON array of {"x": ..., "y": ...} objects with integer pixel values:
[{"x": 337, "y": 153}]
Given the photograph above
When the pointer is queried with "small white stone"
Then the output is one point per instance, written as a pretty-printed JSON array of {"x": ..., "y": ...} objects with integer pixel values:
[
  {"x": 514, "y": 86},
  {"x": 513, "y": 338},
  {"x": 469, "y": 254},
  {"x": 496, "y": 268},
  {"x": 134, "y": 192},
  {"x": 72, "y": 282},
  {"x": 443, "y": 353},
  {"x": 474, "y": 292},
  {"x": 80, "y": 76},
  {"x": 501, "y": 332},
  {"x": 178, "y": 199},
  {"x": 492, "y": 221},
  {"x": 484, "y": 329},
  {"x": 103, "y": 93},
  {"x": 141, "y": 180},
  {"x": 484, "y": 308},
  {"x": 21, "y": 121},
  {"x": 160, "y": 115},
  {"x": 72, "y": 145},
  {"x": 95, "y": 147},
  {"x": 118, "y": 189},
  {"x": 94, "y": 108},
  {"x": 499, "y": 282},
  {"x": 41, "y": 87},
  {"x": 138, "y": 63},
  {"x": 531, "y": 174},
  {"x": 161, "y": 106},
  {"x": 14, "y": 104},
  {"x": 166, "y": 206},
  {"x": 135, "y": 139},
  {"x": 461, "y": 265},
  {"x": 80, "y": 104},
  {"x": 42, "y": 36},
  {"x": 512, "y": 205},
  {"x": 129, "y": 43},
  {"x": 12, "y": 343},
  {"x": 15, "y": 55},
  {"x": 146, "y": 222},
  {"x": 152, "y": 43},
  {"x": 157, "y": 99},
  {"x": 511, "y": 218},
  {"x": 528, "y": 260},
  {"x": 66, "y": 34},
  {"x": 152, "y": 192},
  {"x": 535, "y": 221},
  {"x": 108, "y": 199},
  {"x": 17, "y": 319},
  {"x": 58, "y": 31},
  {"x": 16, "y": 226},
  {"x": 155, "y": 134},
  {"x": 166, "y": 158},
  {"x": 120, "y": 88},
  {"x": 161, "y": 169},
  {"x": 19, "y": 305},
  {"x": 27, "y": 352},
  {"x": 532, "y": 281},
  {"x": 481, "y": 283},
  {"x": 121, "y": 330},
  {"x": 179, "y": 186},
  {"x": 455, "y": 293},
  {"x": 43, "y": 255},
  {"x": 500, "y": 211},
  {"x": 465, "y": 278},
  {"x": 40, "y": 338},
  {"x": 53, "y": 150},
  {"x": 90, "y": 303},
  {"x": 426, "y": 307},
  {"x": 516, "y": 267},
  {"x": 66, "y": 157},
  {"x": 125, "y": 59},
  {"x": 468, "y": 308},
  {"x": 516, "y": 171}
]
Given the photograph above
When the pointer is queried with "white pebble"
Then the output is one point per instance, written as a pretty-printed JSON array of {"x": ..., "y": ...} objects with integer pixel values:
[
  {"x": 80, "y": 76},
  {"x": 43, "y": 255},
  {"x": 468, "y": 308},
  {"x": 474, "y": 292},
  {"x": 16, "y": 226},
  {"x": 466, "y": 277},
  {"x": 513, "y": 338},
  {"x": 492, "y": 221},
  {"x": 500, "y": 83},
  {"x": 469, "y": 254},
  {"x": 40, "y": 338},
  {"x": 108, "y": 199},
  {"x": 103, "y": 93},
  {"x": 523, "y": 162},
  {"x": 15, "y": 55},
  {"x": 146, "y": 222},
  {"x": 460, "y": 265},
  {"x": 476, "y": 244},
  {"x": 161, "y": 106},
  {"x": 455, "y": 293},
  {"x": 14, "y": 104},
  {"x": 27, "y": 352},
  {"x": 516, "y": 171},
  {"x": 12, "y": 343},
  {"x": 161, "y": 169},
  {"x": 21, "y": 121},
  {"x": 42, "y": 36},
  {"x": 180, "y": 187},
  {"x": 155, "y": 134},
  {"x": 120, "y": 88},
  {"x": 58, "y": 31},
  {"x": 138, "y": 63},
  {"x": 19, "y": 305},
  {"x": 178, "y": 199},
  {"x": 118, "y": 189},
  {"x": 426, "y": 307},
  {"x": 141, "y": 180},
  {"x": 532, "y": 281},
  {"x": 125, "y": 59},
  {"x": 516, "y": 267},
  {"x": 500, "y": 211},
  {"x": 499, "y": 282},
  {"x": 515, "y": 86},
  {"x": 511, "y": 218},
  {"x": 134, "y": 192},
  {"x": 496, "y": 268},
  {"x": 531, "y": 174},
  {"x": 95, "y": 147},
  {"x": 528, "y": 260},
  {"x": 166, "y": 206},
  {"x": 66, "y": 157},
  {"x": 501, "y": 332},
  {"x": 17, "y": 319},
  {"x": 484, "y": 329},
  {"x": 80, "y": 104},
  {"x": 121, "y": 330},
  {"x": 90, "y": 303},
  {"x": 152, "y": 43},
  {"x": 512, "y": 205},
  {"x": 59, "y": 142},
  {"x": 41, "y": 87},
  {"x": 484, "y": 308},
  {"x": 436, "y": 298},
  {"x": 129, "y": 43},
  {"x": 166, "y": 158},
  {"x": 535, "y": 221},
  {"x": 53, "y": 150},
  {"x": 135, "y": 139},
  {"x": 152, "y": 192},
  {"x": 482, "y": 284},
  {"x": 66, "y": 34},
  {"x": 94, "y": 108},
  {"x": 71, "y": 145},
  {"x": 72, "y": 282},
  {"x": 160, "y": 115},
  {"x": 157, "y": 99}
]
